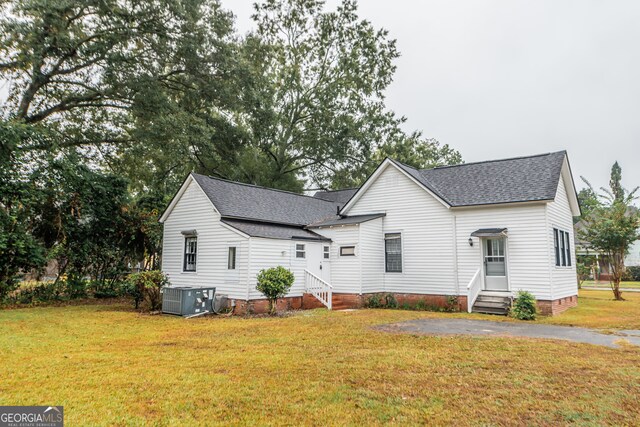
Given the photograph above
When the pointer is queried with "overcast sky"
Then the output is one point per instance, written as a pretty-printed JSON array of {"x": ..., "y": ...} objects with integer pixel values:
[{"x": 507, "y": 78}]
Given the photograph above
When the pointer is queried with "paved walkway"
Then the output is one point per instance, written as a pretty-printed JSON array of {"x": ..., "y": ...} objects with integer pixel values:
[{"x": 511, "y": 329}]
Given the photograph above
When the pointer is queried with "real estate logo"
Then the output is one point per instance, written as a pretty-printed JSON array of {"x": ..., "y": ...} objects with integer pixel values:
[{"x": 31, "y": 416}]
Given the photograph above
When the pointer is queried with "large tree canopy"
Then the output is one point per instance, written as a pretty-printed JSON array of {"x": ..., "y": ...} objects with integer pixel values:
[
  {"x": 112, "y": 102},
  {"x": 89, "y": 70}
]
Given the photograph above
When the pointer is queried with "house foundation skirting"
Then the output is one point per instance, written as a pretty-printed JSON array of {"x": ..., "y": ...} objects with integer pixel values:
[
  {"x": 556, "y": 306},
  {"x": 341, "y": 301}
]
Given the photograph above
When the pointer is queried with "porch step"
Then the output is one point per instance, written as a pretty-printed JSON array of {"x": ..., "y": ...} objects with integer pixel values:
[{"x": 492, "y": 304}]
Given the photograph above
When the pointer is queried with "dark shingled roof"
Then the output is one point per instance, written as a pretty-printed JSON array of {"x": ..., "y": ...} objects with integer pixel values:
[
  {"x": 273, "y": 231},
  {"x": 521, "y": 179},
  {"x": 347, "y": 220},
  {"x": 237, "y": 200},
  {"x": 339, "y": 196}
]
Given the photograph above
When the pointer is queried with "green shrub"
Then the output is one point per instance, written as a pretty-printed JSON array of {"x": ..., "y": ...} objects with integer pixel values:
[
  {"x": 39, "y": 292},
  {"x": 274, "y": 283},
  {"x": 109, "y": 288},
  {"x": 75, "y": 287},
  {"x": 451, "y": 304},
  {"x": 373, "y": 301},
  {"x": 524, "y": 306},
  {"x": 634, "y": 272},
  {"x": 390, "y": 301},
  {"x": 423, "y": 305},
  {"x": 148, "y": 285},
  {"x": 7, "y": 287}
]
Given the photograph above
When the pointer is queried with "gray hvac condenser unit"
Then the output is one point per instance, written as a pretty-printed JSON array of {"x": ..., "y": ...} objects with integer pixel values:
[{"x": 187, "y": 300}]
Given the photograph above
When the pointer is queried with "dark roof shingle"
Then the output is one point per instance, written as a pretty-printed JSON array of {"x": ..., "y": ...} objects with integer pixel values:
[
  {"x": 347, "y": 220},
  {"x": 521, "y": 179},
  {"x": 273, "y": 231},
  {"x": 339, "y": 196},
  {"x": 237, "y": 200}
]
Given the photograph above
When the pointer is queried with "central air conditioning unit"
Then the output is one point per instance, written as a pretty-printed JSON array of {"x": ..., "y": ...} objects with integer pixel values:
[{"x": 188, "y": 301}]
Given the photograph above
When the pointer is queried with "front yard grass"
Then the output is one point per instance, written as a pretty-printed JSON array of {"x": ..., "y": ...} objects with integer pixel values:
[
  {"x": 110, "y": 365},
  {"x": 607, "y": 285}
]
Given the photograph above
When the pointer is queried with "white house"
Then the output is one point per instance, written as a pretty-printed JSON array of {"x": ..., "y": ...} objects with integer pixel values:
[{"x": 474, "y": 233}]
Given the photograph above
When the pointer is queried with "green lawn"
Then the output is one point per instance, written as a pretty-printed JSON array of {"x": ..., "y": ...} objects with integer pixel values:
[
  {"x": 606, "y": 285},
  {"x": 110, "y": 365}
]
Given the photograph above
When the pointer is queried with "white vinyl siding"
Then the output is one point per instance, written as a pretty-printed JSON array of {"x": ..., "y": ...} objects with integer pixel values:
[
  {"x": 560, "y": 218},
  {"x": 194, "y": 211},
  {"x": 268, "y": 253},
  {"x": 427, "y": 233},
  {"x": 526, "y": 254},
  {"x": 372, "y": 256},
  {"x": 345, "y": 270}
]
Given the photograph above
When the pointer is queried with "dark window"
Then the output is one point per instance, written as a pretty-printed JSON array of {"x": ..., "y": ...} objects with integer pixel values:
[
  {"x": 563, "y": 253},
  {"x": 393, "y": 253},
  {"x": 556, "y": 243},
  {"x": 347, "y": 251},
  {"x": 562, "y": 247},
  {"x": 300, "y": 252},
  {"x": 567, "y": 247},
  {"x": 326, "y": 252},
  {"x": 231, "y": 261},
  {"x": 190, "y": 253}
]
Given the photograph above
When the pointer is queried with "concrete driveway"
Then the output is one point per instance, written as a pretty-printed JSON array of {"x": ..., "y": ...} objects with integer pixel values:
[{"x": 511, "y": 329}]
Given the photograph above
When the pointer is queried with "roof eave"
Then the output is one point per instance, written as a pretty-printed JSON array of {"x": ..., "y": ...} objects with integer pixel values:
[{"x": 500, "y": 204}]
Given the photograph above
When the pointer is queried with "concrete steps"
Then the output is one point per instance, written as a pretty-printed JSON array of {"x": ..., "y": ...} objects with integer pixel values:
[{"x": 492, "y": 304}]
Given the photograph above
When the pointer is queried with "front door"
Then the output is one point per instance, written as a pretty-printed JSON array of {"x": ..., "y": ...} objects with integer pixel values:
[
  {"x": 495, "y": 265},
  {"x": 326, "y": 263}
]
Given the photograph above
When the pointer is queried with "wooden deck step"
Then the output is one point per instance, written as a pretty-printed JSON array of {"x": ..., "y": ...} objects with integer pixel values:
[{"x": 492, "y": 304}]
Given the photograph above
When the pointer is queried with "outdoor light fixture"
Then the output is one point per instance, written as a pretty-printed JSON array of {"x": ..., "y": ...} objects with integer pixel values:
[{"x": 470, "y": 241}]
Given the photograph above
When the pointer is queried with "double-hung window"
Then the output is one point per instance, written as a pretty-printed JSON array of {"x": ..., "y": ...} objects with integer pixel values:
[
  {"x": 231, "y": 258},
  {"x": 190, "y": 253},
  {"x": 300, "y": 251},
  {"x": 562, "y": 247},
  {"x": 393, "y": 252}
]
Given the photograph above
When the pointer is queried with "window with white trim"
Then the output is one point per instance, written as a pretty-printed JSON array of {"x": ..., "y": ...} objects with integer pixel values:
[
  {"x": 393, "y": 252},
  {"x": 347, "y": 251},
  {"x": 562, "y": 247},
  {"x": 300, "y": 251},
  {"x": 190, "y": 253},
  {"x": 231, "y": 258},
  {"x": 326, "y": 252}
]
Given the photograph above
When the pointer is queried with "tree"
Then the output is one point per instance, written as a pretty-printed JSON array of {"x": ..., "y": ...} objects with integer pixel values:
[
  {"x": 20, "y": 251},
  {"x": 274, "y": 283},
  {"x": 613, "y": 226},
  {"x": 93, "y": 70},
  {"x": 322, "y": 104},
  {"x": 413, "y": 151},
  {"x": 588, "y": 200}
]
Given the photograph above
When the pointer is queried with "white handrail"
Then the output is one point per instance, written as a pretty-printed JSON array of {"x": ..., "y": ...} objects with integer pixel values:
[
  {"x": 473, "y": 289},
  {"x": 317, "y": 287}
]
